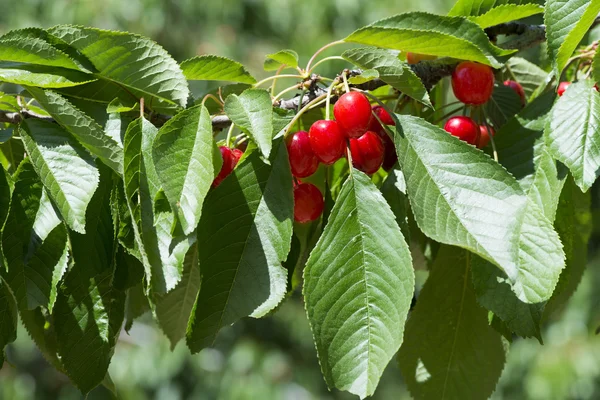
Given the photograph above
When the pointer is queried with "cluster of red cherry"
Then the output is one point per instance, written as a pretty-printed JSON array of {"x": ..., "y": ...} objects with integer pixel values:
[
  {"x": 355, "y": 128},
  {"x": 473, "y": 84}
]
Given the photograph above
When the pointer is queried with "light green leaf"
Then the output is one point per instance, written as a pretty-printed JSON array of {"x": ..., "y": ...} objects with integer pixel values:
[
  {"x": 215, "y": 68},
  {"x": 82, "y": 126},
  {"x": 529, "y": 75},
  {"x": 251, "y": 212},
  {"x": 29, "y": 50},
  {"x": 430, "y": 34},
  {"x": 89, "y": 310},
  {"x": 479, "y": 7},
  {"x": 358, "y": 286},
  {"x": 286, "y": 57},
  {"x": 365, "y": 76},
  {"x": 507, "y": 13},
  {"x": 252, "y": 111},
  {"x": 391, "y": 70},
  {"x": 8, "y": 318},
  {"x": 173, "y": 310},
  {"x": 66, "y": 169},
  {"x": 41, "y": 76},
  {"x": 567, "y": 22},
  {"x": 186, "y": 161},
  {"x": 129, "y": 60},
  {"x": 450, "y": 351},
  {"x": 573, "y": 132},
  {"x": 460, "y": 196}
]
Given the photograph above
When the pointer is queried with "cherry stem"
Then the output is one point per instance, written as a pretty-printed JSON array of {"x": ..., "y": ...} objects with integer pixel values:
[
  {"x": 325, "y": 60},
  {"x": 275, "y": 77},
  {"x": 275, "y": 80},
  {"x": 141, "y": 107},
  {"x": 349, "y": 155},
  {"x": 492, "y": 141},
  {"x": 212, "y": 97},
  {"x": 328, "y": 45},
  {"x": 229, "y": 134},
  {"x": 443, "y": 117},
  {"x": 294, "y": 87},
  {"x": 346, "y": 86},
  {"x": 302, "y": 111},
  {"x": 328, "y": 99}
]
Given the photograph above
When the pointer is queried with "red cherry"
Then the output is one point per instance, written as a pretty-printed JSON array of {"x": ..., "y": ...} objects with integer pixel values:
[
  {"x": 308, "y": 202},
  {"x": 237, "y": 153},
  {"x": 516, "y": 86},
  {"x": 230, "y": 160},
  {"x": 413, "y": 58},
  {"x": 367, "y": 152},
  {"x": 303, "y": 160},
  {"x": 389, "y": 156},
  {"x": 463, "y": 128},
  {"x": 484, "y": 137},
  {"x": 383, "y": 115},
  {"x": 473, "y": 83},
  {"x": 352, "y": 112},
  {"x": 562, "y": 87},
  {"x": 327, "y": 141}
]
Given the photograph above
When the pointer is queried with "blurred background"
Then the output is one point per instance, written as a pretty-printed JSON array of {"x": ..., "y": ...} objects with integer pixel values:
[{"x": 274, "y": 358}]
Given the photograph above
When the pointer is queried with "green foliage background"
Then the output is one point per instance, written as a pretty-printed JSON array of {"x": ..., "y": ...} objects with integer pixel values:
[{"x": 274, "y": 358}]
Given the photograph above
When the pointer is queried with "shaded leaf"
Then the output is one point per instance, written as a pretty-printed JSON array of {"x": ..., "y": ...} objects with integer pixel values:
[{"x": 8, "y": 318}]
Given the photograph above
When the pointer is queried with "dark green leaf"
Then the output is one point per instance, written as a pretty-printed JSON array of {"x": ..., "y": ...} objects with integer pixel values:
[
  {"x": 8, "y": 318},
  {"x": 358, "y": 286},
  {"x": 252, "y": 112},
  {"x": 526, "y": 73},
  {"x": 245, "y": 236},
  {"x": 391, "y": 70},
  {"x": 503, "y": 105},
  {"x": 29, "y": 50},
  {"x": 450, "y": 351},
  {"x": 573, "y": 132},
  {"x": 436, "y": 35},
  {"x": 215, "y": 68},
  {"x": 41, "y": 76}
]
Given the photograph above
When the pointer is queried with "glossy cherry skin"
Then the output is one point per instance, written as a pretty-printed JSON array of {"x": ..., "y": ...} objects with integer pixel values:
[
  {"x": 463, "y": 128},
  {"x": 367, "y": 152},
  {"x": 484, "y": 137},
  {"x": 389, "y": 154},
  {"x": 562, "y": 87},
  {"x": 413, "y": 58},
  {"x": 473, "y": 83},
  {"x": 516, "y": 86},
  {"x": 383, "y": 115},
  {"x": 352, "y": 112},
  {"x": 303, "y": 160},
  {"x": 230, "y": 160},
  {"x": 327, "y": 141},
  {"x": 308, "y": 203}
]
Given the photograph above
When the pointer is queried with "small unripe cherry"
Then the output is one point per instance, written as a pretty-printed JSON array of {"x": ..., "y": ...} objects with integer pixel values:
[
  {"x": 473, "y": 83},
  {"x": 367, "y": 152},
  {"x": 413, "y": 58},
  {"x": 308, "y": 202},
  {"x": 484, "y": 137},
  {"x": 516, "y": 86},
  {"x": 463, "y": 128},
  {"x": 383, "y": 115},
  {"x": 352, "y": 112},
  {"x": 230, "y": 159},
  {"x": 327, "y": 141},
  {"x": 562, "y": 87},
  {"x": 303, "y": 160}
]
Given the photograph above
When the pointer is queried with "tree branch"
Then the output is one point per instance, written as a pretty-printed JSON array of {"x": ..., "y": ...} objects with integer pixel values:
[{"x": 430, "y": 73}]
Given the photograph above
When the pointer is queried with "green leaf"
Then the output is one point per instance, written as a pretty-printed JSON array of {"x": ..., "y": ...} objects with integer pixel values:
[
  {"x": 567, "y": 22},
  {"x": 507, "y": 13},
  {"x": 459, "y": 196},
  {"x": 573, "y": 132},
  {"x": 41, "y": 76},
  {"x": 274, "y": 61},
  {"x": 245, "y": 236},
  {"x": 8, "y": 318},
  {"x": 252, "y": 111},
  {"x": 394, "y": 192},
  {"x": 574, "y": 226},
  {"x": 129, "y": 60},
  {"x": 479, "y": 7},
  {"x": 391, "y": 70},
  {"x": 30, "y": 50},
  {"x": 89, "y": 310},
  {"x": 40, "y": 328},
  {"x": 215, "y": 68},
  {"x": 450, "y": 351},
  {"x": 358, "y": 286},
  {"x": 173, "y": 310},
  {"x": 596, "y": 66},
  {"x": 365, "y": 76},
  {"x": 529, "y": 75},
  {"x": 430, "y": 34},
  {"x": 66, "y": 169},
  {"x": 187, "y": 160},
  {"x": 11, "y": 154},
  {"x": 503, "y": 105},
  {"x": 82, "y": 126}
]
